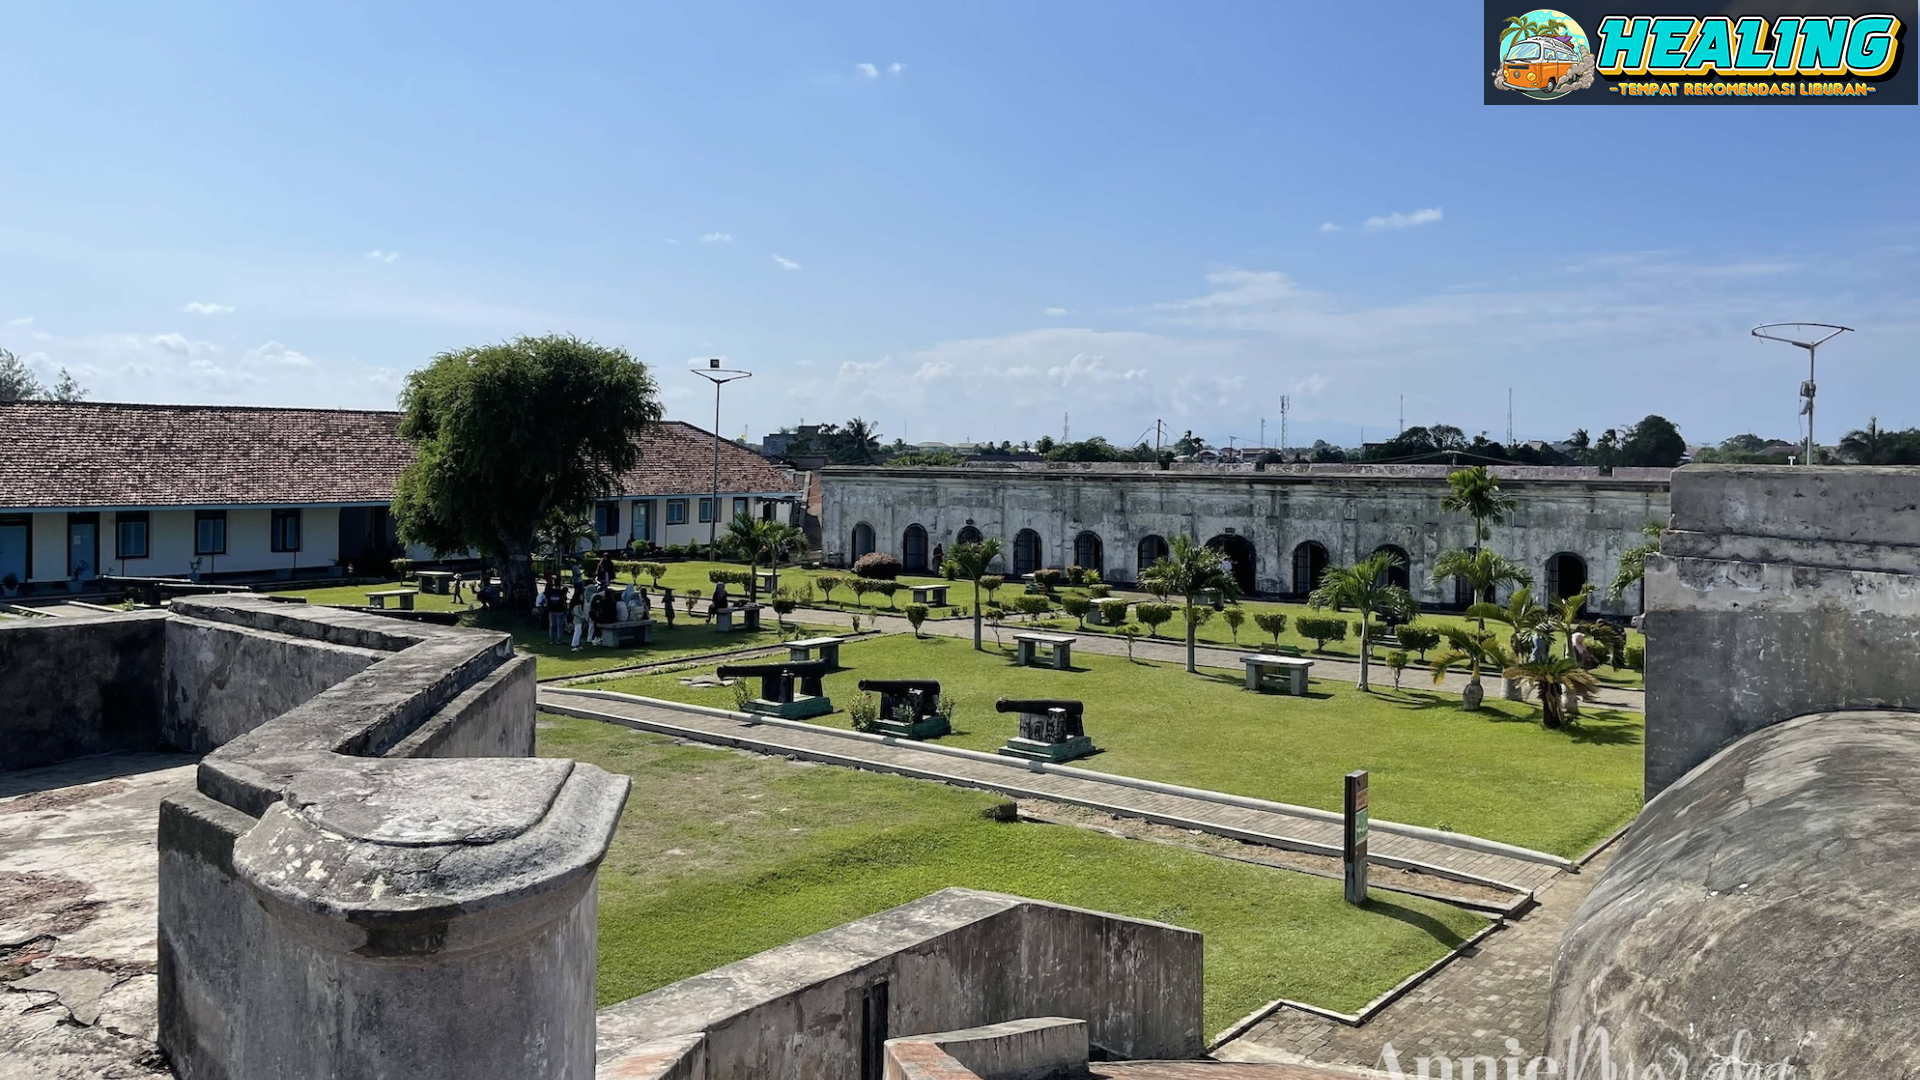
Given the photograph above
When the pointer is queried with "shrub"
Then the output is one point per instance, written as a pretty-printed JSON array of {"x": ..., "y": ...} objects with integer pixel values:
[
  {"x": 403, "y": 567},
  {"x": 1199, "y": 615},
  {"x": 1132, "y": 634},
  {"x": 1321, "y": 629},
  {"x": 887, "y": 589},
  {"x": 1113, "y": 612},
  {"x": 828, "y": 583},
  {"x": 729, "y": 577},
  {"x": 1271, "y": 623},
  {"x": 864, "y": 711},
  {"x": 1076, "y": 575},
  {"x": 1077, "y": 606},
  {"x": 783, "y": 605},
  {"x": 861, "y": 587},
  {"x": 1152, "y": 616},
  {"x": 1032, "y": 606},
  {"x": 1099, "y": 591},
  {"x": 1236, "y": 618},
  {"x": 1396, "y": 662},
  {"x": 742, "y": 694},
  {"x": 1636, "y": 657},
  {"x": 878, "y": 566},
  {"x": 1419, "y": 639},
  {"x": 995, "y": 614},
  {"x": 1092, "y": 578},
  {"x": 1047, "y": 579},
  {"x": 991, "y": 584},
  {"x": 916, "y": 614}
]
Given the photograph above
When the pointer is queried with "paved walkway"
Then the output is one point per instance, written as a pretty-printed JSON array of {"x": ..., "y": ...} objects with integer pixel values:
[
  {"x": 1489, "y": 994},
  {"x": 1022, "y": 779},
  {"x": 1215, "y": 656}
]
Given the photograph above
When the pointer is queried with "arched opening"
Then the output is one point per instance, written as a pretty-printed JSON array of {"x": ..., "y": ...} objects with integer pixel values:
[
  {"x": 1463, "y": 593},
  {"x": 1152, "y": 550},
  {"x": 862, "y": 540},
  {"x": 1026, "y": 552},
  {"x": 1566, "y": 575},
  {"x": 969, "y": 535},
  {"x": 1239, "y": 553},
  {"x": 1401, "y": 575},
  {"x": 1088, "y": 553},
  {"x": 1309, "y": 562},
  {"x": 913, "y": 550}
]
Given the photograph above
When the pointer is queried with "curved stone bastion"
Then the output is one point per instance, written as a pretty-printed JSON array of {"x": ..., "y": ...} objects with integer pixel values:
[{"x": 371, "y": 876}]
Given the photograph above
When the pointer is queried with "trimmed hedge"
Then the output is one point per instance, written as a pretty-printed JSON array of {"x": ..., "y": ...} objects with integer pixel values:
[
  {"x": 1321, "y": 629},
  {"x": 877, "y": 566}
]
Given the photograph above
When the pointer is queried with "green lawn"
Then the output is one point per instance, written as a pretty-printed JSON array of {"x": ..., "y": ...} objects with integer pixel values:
[
  {"x": 722, "y": 855},
  {"x": 1496, "y": 773},
  {"x": 687, "y": 637}
]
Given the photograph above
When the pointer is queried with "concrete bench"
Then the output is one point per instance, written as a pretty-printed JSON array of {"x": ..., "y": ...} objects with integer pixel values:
[
  {"x": 438, "y": 582},
  {"x": 403, "y": 598},
  {"x": 763, "y": 579},
  {"x": 1292, "y": 671},
  {"x": 930, "y": 595},
  {"x": 615, "y": 635},
  {"x": 1060, "y": 645},
  {"x": 829, "y": 648},
  {"x": 737, "y": 617}
]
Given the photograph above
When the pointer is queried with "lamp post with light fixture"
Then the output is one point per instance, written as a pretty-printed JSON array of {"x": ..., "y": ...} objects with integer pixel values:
[
  {"x": 1808, "y": 336},
  {"x": 719, "y": 377}
]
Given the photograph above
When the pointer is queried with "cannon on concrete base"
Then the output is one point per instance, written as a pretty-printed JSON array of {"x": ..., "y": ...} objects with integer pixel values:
[
  {"x": 909, "y": 708},
  {"x": 789, "y": 689},
  {"x": 1051, "y": 729}
]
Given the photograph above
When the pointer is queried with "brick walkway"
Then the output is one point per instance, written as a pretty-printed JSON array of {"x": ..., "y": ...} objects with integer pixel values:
[
  {"x": 1009, "y": 776},
  {"x": 1471, "y": 1007}
]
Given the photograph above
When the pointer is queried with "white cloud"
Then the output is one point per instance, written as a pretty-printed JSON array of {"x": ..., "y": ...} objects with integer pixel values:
[
  {"x": 376, "y": 255},
  {"x": 1398, "y": 220},
  {"x": 669, "y": 240},
  {"x": 896, "y": 68},
  {"x": 786, "y": 264},
  {"x": 716, "y": 238},
  {"x": 867, "y": 71},
  {"x": 275, "y": 354},
  {"x": 24, "y": 320},
  {"x": 1328, "y": 226},
  {"x": 1056, "y": 311},
  {"x": 197, "y": 307},
  {"x": 181, "y": 345}
]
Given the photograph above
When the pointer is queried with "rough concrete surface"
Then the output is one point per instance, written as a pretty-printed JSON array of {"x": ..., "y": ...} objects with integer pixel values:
[
  {"x": 77, "y": 915},
  {"x": 72, "y": 687}
]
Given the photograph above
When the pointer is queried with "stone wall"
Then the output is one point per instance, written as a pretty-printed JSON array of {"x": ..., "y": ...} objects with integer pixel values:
[
  {"x": 72, "y": 687},
  {"x": 1781, "y": 591},
  {"x": 956, "y": 959},
  {"x": 223, "y": 680},
  {"x": 1350, "y": 513}
]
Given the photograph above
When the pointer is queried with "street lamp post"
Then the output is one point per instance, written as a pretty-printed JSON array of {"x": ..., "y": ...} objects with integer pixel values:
[
  {"x": 719, "y": 377},
  {"x": 1806, "y": 336}
]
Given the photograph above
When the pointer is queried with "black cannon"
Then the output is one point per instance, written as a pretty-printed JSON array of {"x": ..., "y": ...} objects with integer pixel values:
[
  {"x": 777, "y": 679},
  {"x": 922, "y": 696},
  {"x": 1047, "y": 720}
]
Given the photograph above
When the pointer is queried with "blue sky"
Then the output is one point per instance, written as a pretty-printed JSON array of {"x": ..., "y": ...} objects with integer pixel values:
[{"x": 958, "y": 221}]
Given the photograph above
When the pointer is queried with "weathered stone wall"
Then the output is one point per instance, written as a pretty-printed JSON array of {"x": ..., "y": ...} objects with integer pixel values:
[
  {"x": 1781, "y": 591},
  {"x": 224, "y": 680},
  {"x": 72, "y": 687},
  {"x": 956, "y": 959},
  {"x": 1350, "y": 513}
]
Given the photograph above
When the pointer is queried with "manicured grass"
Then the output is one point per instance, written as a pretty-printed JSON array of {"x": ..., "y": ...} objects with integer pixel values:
[
  {"x": 722, "y": 855},
  {"x": 687, "y": 637},
  {"x": 1495, "y": 773}
]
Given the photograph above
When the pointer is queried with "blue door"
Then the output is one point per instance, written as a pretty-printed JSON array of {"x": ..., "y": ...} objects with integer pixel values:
[{"x": 13, "y": 551}]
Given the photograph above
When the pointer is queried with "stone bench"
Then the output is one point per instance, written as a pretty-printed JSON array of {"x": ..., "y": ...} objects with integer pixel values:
[
  {"x": 1059, "y": 645},
  {"x": 763, "y": 580},
  {"x": 930, "y": 595},
  {"x": 1292, "y": 671},
  {"x": 437, "y": 582},
  {"x": 614, "y": 635},
  {"x": 736, "y": 617},
  {"x": 829, "y": 648},
  {"x": 403, "y": 598}
]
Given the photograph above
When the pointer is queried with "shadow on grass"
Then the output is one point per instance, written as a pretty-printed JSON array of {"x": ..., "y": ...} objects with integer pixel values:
[{"x": 1420, "y": 921}]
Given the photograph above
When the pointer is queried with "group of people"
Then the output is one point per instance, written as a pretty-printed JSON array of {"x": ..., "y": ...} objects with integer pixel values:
[{"x": 579, "y": 609}]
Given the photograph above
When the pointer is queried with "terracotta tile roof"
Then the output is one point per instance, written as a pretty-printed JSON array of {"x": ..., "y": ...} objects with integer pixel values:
[{"x": 98, "y": 454}]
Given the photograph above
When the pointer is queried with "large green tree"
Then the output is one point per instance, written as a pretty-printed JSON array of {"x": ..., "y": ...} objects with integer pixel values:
[
  {"x": 508, "y": 437},
  {"x": 1189, "y": 570},
  {"x": 1654, "y": 442},
  {"x": 17, "y": 383}
]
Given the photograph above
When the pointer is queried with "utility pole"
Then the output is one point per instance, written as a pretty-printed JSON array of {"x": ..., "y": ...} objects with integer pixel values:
[
  {"x": 1159, "y": 428},
  {"x": 1802, "y": 336},
  {"x": 1066, "y": 431},
  {"x": 1509, "y": 418},
  {"x": 1263, "y": 433},
  {"x": 719, "y": 377},
  {"x": 1403, "y": 414},
  {"x": 1285, "y": 403}
]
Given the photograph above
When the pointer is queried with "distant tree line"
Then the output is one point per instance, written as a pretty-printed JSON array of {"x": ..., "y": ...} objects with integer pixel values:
[
  {"x": 17, "y": 383},
  {"x": 1654, "y": 442}
]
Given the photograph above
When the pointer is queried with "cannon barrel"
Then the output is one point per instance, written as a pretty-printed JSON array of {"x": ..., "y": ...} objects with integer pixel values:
[
  {"x": 799, "y": 668},
  {"x": 901, "y": 686},
  {"x": 1036, "y": 705}
]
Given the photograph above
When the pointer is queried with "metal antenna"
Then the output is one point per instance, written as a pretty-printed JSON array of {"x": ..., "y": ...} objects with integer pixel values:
[
  {"x": 1285, "y": 403},
  {"x": 1808, "y": 336},
  {"x": 1509, "y": 418}
]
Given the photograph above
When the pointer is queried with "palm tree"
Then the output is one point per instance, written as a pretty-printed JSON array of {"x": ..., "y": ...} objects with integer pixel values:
[
  {"x": 1633, "y": 561},
  {"x": 1553, "y": 679},
  {"x": 1563, "y": 616},
  {"x": 1483, "y": 571},
  {"x": 761, "y": 540},
  {"x": 1521, "y": 612},
  {"x": 1188, "y": 570},
  {"x": 1475, "y": 493},
  {"x": 860, "y": 440},
  {"x": 1363, "y": 587},
  {"x": 971, "y": 562},
  {"x": 1477, "y": 649},
  {"x": 1868, "y": 445}
]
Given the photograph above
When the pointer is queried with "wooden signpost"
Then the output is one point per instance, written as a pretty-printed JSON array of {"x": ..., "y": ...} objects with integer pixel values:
[{"x": 1354, "y": 847}]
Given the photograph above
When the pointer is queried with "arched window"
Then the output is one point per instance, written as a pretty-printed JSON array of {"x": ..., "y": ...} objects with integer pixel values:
[
  {"x": 862, "y": 540},
  {"x": 1026, "y": 552},
  {"x": 1088, "y": 552},
  {"x": 913, "y": 550},
  {"x": 1239, "y": 553},
  {"x": 1152, "y": 550},
  {"x": 969, "y": 535},
  {"x": 1566, "y": 575},
  {"x": 1309, "y": 562},
  {"x": 1401, "y": 575},
  {"x": 1463, "y": 593}
]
